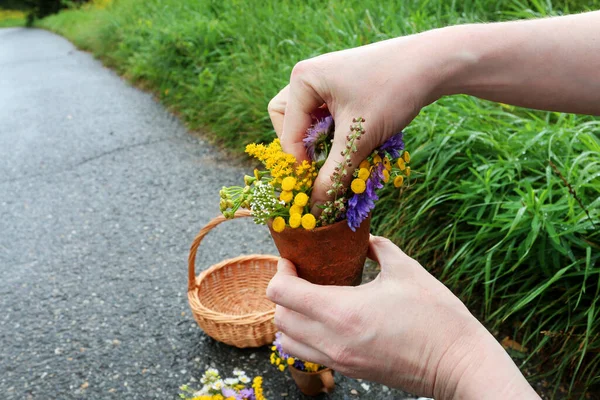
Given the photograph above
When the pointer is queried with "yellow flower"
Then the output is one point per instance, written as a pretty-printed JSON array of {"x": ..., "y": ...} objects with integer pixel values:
[
  {"x": 311, "y": 367},
  {"x": 278, "y": 224},
  {"x": 286, "y": 196},
  {"x": 296, "y": 209},
  {"x": 288, "y": 183},
  {"x": 290, "y": 360},
  {"x": 407, "y": 172},
  {"x": 387, "y": 164},
  {"x": 364, "y": 174},
  {"x": 218, "y": 397},
  {"x": 358, "y": 186},
  {"x": 406, "y": 156},
  {"x": 256, "y": 175},
  {"x": 281, "y": 367},
  {"x": 301, "y": 199},
  {"x": 295, "y": 220},
  {"x": 398, "y": 181},
  {"x": 309, "y": 221},
  {"x": 376, "y": 159},
  {"x": 365, "y": 164},
  {"x": 401, "y": 164},
  {"x": 273, "y": 348},
  {"x": 258, "y": 390},
  {"x": 386, "y": 175}
]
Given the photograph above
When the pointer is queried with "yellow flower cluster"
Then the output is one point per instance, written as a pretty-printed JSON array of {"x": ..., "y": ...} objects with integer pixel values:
[
  {"x": 210, "y": 397},
  {"x": 296, "y": 210},
  {"x": 359, "y": 183},
  {"x": 258, "y": 389},
  {"x": 281, "y": 166}
]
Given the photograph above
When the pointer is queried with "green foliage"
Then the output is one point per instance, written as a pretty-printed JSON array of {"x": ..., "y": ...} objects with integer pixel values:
[
  {"x": 486, "y": 211},
  {"x": 11, "y": 17},
  {"x": 490, "y": 216}
]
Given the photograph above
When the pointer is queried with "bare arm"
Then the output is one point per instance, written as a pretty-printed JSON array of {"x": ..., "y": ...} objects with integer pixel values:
[{"x": 549, "y": 64}]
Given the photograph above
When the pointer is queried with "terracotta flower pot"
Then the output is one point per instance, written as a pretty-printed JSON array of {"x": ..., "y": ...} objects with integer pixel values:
[
  {"x": 313, "y": 383},
  {"x": 329, "y": 255}
]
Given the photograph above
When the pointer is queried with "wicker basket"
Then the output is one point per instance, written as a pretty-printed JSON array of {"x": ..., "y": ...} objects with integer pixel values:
[{"x": 228, "y": 299}]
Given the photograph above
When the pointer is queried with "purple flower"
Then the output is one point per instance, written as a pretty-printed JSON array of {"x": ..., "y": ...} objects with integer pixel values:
[
  {"x": 393, "y": 145},
  {"x": 228, "y": 392},
  {"x": 277, "y": 344},
  {"x": 317, "y": 137},
  {"x": 360, "y": 205},
  {"x": 246, "y": 394}
]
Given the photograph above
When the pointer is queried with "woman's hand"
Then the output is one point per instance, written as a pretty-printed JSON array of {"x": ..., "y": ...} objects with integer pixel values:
[
  {"x": 387, "y": 83},
  {"x": 405, "y": 329},
  {"x": 549, "y": 64}
]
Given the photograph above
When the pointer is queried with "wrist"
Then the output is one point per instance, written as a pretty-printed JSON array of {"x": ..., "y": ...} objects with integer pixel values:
[{"x": 477, "y": 367}]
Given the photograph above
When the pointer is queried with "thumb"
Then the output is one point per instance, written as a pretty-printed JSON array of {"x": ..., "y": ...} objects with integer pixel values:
[
  {"x": 386, "y": 253},
  {"x": 286, "y": 268},
  {"x": 323, "y": 182}
]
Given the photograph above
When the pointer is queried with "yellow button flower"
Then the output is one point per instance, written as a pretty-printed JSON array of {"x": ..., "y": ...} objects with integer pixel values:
[
  {"x": 278, "y": 224},
  {"x": 401, "y": 164},
  {"x": 398, "y": 181},
  {"x": 288, "y": 183},
  {"x": 365, "y": 164},
  {"x": 295, "y": 220},
  {"x": 406, "y": 156},
  {"x": 309, "y": 221},
  {"x": 295, "y": 209},
  {"x": 286, "y": 196},
  {"x": 301, "y": 199},
  {"x": 407, "y": 172},
  {"x": 386, "y": 175},
  {"x": 363, "y": 174},
  {"x": 358, "y": 186},
  {"x": 290, "y": 360},
  {"x": 387, "y": 164},
  {"x": 281, "y": 367},
  {"x": 376, "y": 159}
]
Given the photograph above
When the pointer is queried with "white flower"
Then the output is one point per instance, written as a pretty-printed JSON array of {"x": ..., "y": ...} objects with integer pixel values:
[
  {"x": 218, "y": 385},
  {"x": 238, "y": 372},
  {"x": 244, "y": 379},
  {"x": 231, "y": 381}
]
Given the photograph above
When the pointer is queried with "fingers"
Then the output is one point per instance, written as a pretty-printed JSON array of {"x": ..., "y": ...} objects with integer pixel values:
[
  {"x": 299, "y": 327},
  {"x": 303, "y": 351},
  {"x": 323, "y": 180},
  {"x": 296, "y": 294},
  {"x": 302, "y": 99},
  {"x": 277, "y": 110},
  {"x": 391, "y": 258}
]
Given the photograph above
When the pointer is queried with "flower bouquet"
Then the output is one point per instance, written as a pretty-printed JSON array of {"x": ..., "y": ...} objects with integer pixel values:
[
  {"x": 311, "y": 378},
  {"x": 329, "y": 249},
  {"x": 238, "y": 387}
]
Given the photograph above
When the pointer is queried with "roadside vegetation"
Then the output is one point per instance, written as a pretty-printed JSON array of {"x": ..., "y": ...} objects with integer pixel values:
[{"x": 504, "y": 203}]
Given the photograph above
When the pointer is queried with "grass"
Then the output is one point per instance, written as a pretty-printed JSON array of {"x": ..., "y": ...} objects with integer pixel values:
[
  {"x": 487, "y": 211},
  {"x": 11, "y": 18}
]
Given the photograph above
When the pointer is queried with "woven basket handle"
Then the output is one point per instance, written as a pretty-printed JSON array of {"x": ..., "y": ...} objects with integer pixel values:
[{"x": 196, "y": 243}]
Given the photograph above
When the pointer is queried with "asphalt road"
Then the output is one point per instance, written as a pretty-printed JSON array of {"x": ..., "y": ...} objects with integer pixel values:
[{"x": 101, "y": 193}]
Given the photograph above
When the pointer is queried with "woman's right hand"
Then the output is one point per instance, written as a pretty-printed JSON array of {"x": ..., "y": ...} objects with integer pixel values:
[{"x": 387, "y": 83}]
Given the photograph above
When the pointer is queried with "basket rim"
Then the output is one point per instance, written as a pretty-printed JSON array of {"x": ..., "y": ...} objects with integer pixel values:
[{"x": 204, "y": 312}]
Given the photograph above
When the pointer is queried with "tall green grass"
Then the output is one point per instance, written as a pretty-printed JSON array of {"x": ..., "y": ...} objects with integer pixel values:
[
  {"x": 11, "y": 18},
  {"x": 486, "y": 209}
]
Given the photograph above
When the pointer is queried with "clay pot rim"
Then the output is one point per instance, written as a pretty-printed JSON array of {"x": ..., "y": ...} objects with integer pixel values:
[
  {"x": 311, "y": 373},
  {"x": 270, "y": 224}
]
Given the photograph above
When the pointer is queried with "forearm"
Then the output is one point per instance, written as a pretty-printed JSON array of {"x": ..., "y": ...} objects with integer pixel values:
[
  {"x": 481, "y": 369},
  {"x": 549, "y": 64}
]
